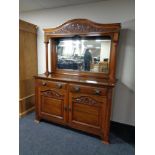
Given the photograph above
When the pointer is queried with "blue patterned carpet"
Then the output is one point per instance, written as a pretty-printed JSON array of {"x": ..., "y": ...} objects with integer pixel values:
[{"x": 48, "y": 139}]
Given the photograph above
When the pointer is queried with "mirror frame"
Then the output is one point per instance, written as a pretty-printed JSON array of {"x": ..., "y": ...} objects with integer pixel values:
[{"x": 82, "y": 28}]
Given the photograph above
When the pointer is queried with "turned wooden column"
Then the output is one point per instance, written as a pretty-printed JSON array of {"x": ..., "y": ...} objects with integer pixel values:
[
  {"x": 113, "y": 58},
  {"x": 53, "y": 56},
  {"x": 46, "y": 48}
]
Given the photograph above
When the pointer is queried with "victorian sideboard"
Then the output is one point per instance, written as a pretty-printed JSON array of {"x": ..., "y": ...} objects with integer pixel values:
[{"x": 77, "y": 91}]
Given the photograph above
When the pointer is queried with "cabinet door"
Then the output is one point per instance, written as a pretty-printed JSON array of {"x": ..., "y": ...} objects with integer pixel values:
[
  {"x": 86, "y": 112},
  {"x": 53, "y": 104}
]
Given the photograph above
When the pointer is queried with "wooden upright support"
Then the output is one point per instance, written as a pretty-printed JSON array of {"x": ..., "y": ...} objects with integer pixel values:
[{"x": 46, "y": 48}]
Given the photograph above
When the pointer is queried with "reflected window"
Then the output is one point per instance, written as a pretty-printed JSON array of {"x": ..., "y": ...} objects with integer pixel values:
[{"x": 90, "y": 54}]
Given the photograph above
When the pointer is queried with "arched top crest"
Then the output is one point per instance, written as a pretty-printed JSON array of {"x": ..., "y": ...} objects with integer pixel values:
[{"x": 82, "y": 26}]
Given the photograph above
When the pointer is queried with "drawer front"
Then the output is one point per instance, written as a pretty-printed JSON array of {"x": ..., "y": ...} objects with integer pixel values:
[
  {"x": 52, "y": 84},
  {"x": 87, "y": 90}
]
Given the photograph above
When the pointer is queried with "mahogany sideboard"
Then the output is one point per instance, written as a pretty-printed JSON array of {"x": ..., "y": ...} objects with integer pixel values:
[{"x": 72, "y": 93}]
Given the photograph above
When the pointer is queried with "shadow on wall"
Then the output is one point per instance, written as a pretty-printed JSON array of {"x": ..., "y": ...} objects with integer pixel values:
[{"x": 124, "y": 93}]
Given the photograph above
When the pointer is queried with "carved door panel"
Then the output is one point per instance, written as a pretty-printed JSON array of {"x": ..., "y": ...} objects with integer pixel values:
[
  {"x": 86, "y": 112},
  {"x": 53, "y": 103}
]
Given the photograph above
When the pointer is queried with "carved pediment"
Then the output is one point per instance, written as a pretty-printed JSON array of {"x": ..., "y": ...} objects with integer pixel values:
[
  {"x": 84, "y": 100},
  {"x": 76, "y": 26},
  {"x": 53, "y": 94}
]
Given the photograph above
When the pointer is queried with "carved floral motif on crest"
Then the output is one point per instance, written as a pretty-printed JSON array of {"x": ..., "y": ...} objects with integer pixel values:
[
  {"x": 84, "y": 100},
  {"x": 78, "y": 28},
  {"x": 53, "y": 94}
]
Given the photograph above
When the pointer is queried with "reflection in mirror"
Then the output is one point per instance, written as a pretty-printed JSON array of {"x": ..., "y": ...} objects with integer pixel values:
[{"x": 84, "y": 54}]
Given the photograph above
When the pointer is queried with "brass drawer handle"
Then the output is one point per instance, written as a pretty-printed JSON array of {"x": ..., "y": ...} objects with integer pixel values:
[
  {"x": 97, "y": 92},
  {"x": 77, "y": 89},
  {"x": 59, "y": 85},
  {"x": 44, "y": 83}
]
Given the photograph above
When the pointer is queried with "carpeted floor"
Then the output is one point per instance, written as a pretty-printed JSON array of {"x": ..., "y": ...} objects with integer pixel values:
[{"x": 48, "y": 139}]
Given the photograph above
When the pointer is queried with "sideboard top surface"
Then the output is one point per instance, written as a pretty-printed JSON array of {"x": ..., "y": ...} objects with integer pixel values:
[{"x": 76, "y": 79}]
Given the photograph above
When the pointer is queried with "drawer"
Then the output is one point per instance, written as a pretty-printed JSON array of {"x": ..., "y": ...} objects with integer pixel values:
[
  {"x": 52, "y": 84},
  {"x": 87, "y": 90}
]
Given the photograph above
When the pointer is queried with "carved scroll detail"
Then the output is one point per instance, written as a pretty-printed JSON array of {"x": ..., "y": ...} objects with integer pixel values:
[
  {"x": 84, "y": 100},
  {"x": 78, "y": 28},
  {"x": 82, "y": 26},
  {"x": 53, "y": 94}
]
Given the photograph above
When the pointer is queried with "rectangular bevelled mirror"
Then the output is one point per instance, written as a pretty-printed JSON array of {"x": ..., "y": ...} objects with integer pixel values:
[{"x": 84, "y": 54}]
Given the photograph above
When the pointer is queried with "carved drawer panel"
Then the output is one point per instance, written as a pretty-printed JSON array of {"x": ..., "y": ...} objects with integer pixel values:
[
  {"x": 88, "y": 90},
  {"x": 52, "y": 84},
  {"x": 53, "y": 94},
  {"x": 85, "y": 99}
]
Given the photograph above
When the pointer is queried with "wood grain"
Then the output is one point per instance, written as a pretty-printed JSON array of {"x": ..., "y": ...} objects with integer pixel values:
[{"x": 27, "y": 63}]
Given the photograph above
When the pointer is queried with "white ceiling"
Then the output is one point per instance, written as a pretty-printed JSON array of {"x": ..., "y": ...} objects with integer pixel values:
[{"x": 31, "y": 5}]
